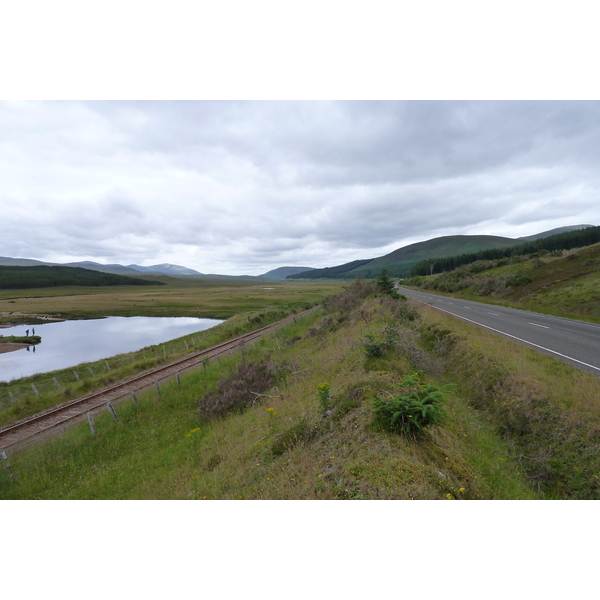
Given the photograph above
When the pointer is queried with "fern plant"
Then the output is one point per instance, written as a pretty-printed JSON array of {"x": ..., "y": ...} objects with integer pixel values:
[{"x": 417, "y": 406}]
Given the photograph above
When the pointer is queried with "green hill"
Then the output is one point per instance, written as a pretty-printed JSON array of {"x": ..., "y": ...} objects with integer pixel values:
[
  {"x": 564, "y": 283},
  {"x": 44, "y": 276},
  {"x": 402, "y": 261}
]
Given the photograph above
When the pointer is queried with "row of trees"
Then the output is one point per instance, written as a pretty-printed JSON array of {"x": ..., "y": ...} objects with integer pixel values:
[
  {"x": 20, "y": 278},
  {"x": 560, "y": 241}
]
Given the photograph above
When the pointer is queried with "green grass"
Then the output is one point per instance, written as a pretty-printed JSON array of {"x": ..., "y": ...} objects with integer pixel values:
[
  {"x": 567, "y": 285},
  {"x": 283, "y": 447},
  {"x": 18, "y": 398},
  {"x": 518, "y": 424},
  {"x": 15, "y": 339},
  {"x": 179, "y": 297}
]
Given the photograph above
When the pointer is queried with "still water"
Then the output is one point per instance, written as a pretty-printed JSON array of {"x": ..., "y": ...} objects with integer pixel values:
[{"x": 71, "y": 343}]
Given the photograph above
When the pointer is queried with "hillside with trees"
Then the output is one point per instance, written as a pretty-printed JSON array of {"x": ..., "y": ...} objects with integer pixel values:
[
  {"x": 43, "y": 276},
  {"x": 419, "y": 258}
]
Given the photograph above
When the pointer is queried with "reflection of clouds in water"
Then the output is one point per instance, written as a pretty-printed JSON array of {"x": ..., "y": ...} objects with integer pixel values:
[{"x": 70, "y": 343}]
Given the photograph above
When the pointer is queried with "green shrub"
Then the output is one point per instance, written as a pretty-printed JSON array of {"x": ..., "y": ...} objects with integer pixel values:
[
  {"x": 374, "y": 349},
  {"x": 414, "y": 408},
  {"x": 288, "y": 439}
]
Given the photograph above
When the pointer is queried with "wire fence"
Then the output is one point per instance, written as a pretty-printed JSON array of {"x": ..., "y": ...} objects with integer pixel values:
[
  {"x": 57, "y": 383},
  {"x": 39, "y": 386}
]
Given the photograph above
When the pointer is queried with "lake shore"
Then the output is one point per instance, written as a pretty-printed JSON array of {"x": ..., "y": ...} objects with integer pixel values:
[
  {"x": 11, "y": 347},
  {"x": 25, "y": 319}
]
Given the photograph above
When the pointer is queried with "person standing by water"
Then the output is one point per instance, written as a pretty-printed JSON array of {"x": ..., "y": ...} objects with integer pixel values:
[
  {"x": 27, "y": 332},
  {"x": 33, "y": 331}
]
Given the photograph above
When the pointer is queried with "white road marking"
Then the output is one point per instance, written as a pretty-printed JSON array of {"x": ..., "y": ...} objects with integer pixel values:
[
  {"x": 538, "y": 325},
  {"x": 491, "y": 313},
  {"x": 520, "y": 339}
]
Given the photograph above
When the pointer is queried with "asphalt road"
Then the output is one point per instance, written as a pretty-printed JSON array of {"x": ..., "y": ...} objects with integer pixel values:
[{"x": 574, "y": 342}]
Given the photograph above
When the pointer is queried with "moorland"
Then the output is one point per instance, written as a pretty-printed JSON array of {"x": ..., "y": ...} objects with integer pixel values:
[
  {"x": 371, "y": 396},
  {"x": 302, "y": 413}
]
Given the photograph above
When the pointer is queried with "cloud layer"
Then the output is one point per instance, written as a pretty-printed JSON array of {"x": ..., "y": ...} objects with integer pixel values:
[{"x": 243, "y": 187}]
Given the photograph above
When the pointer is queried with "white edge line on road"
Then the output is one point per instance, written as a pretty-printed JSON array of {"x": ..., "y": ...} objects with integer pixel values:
[{"x": 517, "y": 338}]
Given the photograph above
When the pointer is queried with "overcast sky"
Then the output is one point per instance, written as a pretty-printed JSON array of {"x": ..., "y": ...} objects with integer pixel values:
[{"x": 243, "y": 187}]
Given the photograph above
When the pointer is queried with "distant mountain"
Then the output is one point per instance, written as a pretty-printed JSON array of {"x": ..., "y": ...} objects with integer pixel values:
[
  {"x": 166, "y": 269},
  {"x": 93, "y": 266},
  {"x": 5, "y": 261},
  {"x": 283, "y": 272},
  {"x": 129, "y": 270},
  {"x": 400, "y": 261}
]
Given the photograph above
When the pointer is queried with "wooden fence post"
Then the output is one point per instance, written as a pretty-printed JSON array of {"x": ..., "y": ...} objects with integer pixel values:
[
  {"x": 76, "y": 376},
  {"x": 157, "y": 386},
  {"x": 178, "y": 379},
  {"x": 56, "y": 383},
  {"x": 35, "y": 390},
  {"x": 134, "y": 398}
]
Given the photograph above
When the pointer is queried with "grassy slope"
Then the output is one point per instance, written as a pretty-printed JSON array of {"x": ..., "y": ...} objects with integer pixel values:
[
  {"x": 400, "y": 261},
  {"x": 567, "y": 285},
  {"x": 286, "y": 447}
]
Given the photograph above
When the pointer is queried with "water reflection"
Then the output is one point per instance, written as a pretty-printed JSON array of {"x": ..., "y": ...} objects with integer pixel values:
[{"x": 70, "y": 343}]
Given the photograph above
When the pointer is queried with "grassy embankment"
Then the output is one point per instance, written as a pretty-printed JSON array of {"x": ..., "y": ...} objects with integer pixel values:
[
  {"x": 252, "y": 305},
  {"x": 16, "y": 339},
  {"x": 518, "y": 424},
  {"x": 565, "y": 284}
]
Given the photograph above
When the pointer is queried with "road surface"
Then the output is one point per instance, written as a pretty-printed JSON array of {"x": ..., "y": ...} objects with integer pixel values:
[{"x": 574, "y": 342}]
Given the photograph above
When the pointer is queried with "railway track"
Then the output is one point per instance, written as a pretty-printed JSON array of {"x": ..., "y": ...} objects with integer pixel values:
[{"x": 51, "y": 421}]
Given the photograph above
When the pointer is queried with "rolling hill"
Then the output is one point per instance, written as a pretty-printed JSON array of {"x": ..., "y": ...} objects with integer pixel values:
[
  {"x": 41, "y": 276},
  {"x": 400, "y": 261},
  {"x": 283, "y": 272}
]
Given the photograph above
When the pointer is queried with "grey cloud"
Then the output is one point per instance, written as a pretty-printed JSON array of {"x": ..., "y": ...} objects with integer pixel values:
[{"x": 250, "y": 184}]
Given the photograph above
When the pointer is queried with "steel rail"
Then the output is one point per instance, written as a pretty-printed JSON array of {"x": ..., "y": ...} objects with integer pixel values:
[{"x": 66, "y": 412}]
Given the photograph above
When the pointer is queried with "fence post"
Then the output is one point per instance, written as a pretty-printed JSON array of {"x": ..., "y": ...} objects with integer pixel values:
[
  {"x": 91, "y": 372},
  {"x": 91, "y": 422},
  {"x": 56, "y": 383},
  {"x": 178, "y": 379},
  {"x": 6, "y": 463},
  {"x": 35, "y": 390},
  {"x": 157, "y": 386},
  {"x": 133, "y": 397},
  {"x": 112, "y": 411},
  {"x": 12, "y": 398},
  {"x": 76, "y": 376}
]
